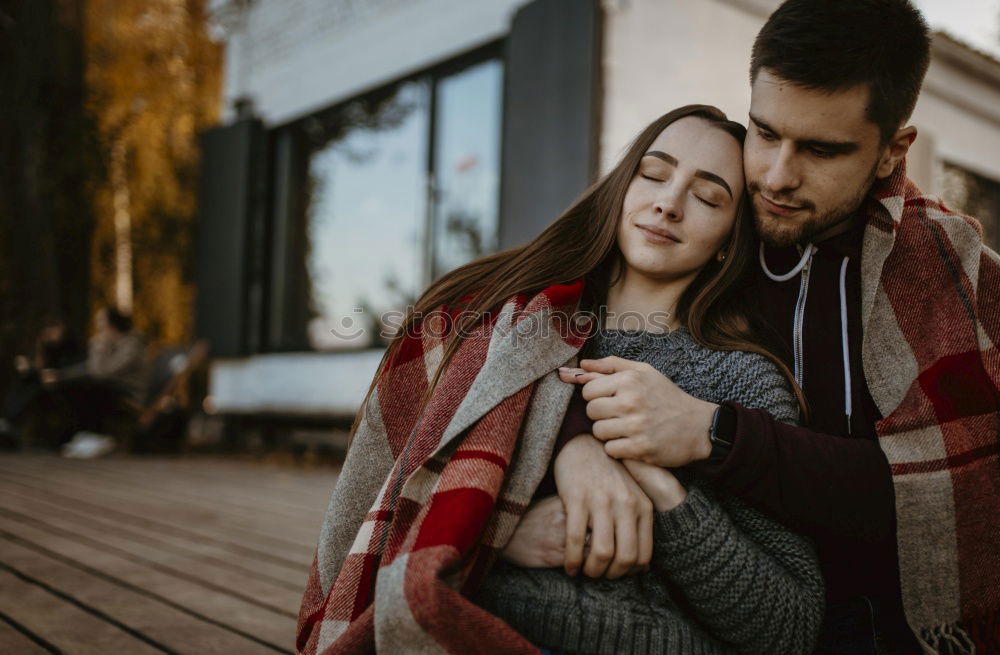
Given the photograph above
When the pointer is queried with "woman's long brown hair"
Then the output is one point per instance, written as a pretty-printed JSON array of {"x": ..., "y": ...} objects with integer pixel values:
[{"x": 581, "y": 242}]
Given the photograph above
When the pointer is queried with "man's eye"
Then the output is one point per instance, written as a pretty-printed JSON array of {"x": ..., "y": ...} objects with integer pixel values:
[
  {"x": 764, "y": 134},
  {"x": 822, "y": 154}
]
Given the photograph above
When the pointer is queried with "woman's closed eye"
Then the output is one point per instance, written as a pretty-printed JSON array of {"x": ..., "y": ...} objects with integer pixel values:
[
  {"x": 655, "y": 170},
  {"x": 707, "y": 194}
]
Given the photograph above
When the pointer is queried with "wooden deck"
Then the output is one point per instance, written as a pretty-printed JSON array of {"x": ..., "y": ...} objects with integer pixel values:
[{"x": 135, "y": 556}]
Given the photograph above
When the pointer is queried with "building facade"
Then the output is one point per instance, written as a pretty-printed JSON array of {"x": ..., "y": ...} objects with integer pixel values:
[{"x": 371, "y": 145}]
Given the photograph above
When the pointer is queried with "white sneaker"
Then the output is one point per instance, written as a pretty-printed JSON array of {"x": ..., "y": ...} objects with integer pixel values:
[{"x": 88, "y": 445}]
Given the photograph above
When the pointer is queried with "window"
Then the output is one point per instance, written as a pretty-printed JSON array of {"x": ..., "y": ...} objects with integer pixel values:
[
  {"x": 395, "y": 189},
  {"x": 466, "y": 166},
  {"x": 974, "y": 195},
  {"x": 365, "y": 214}
]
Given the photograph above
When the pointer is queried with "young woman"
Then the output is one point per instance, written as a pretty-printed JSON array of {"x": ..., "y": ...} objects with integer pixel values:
[
  {"x": 459, "y": 429},
  {"x": 720, "y": 576}
]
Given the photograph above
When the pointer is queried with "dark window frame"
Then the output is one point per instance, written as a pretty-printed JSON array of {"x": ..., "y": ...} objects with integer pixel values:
[{"x": 981, "y": 185}]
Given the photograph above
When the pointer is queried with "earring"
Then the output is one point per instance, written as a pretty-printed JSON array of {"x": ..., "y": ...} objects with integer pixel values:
[{"x": 721, "y": 256}]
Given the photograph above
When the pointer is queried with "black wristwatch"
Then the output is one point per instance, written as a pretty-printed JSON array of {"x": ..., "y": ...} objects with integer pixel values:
[{"x": 722, "y": 433}]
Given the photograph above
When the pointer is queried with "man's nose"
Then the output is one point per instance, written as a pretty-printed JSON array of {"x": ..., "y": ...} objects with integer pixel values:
[{"x": 783, "y": 173}]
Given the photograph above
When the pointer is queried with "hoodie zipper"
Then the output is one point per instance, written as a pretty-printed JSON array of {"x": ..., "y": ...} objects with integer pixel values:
[{"x": 800, "y": 311}]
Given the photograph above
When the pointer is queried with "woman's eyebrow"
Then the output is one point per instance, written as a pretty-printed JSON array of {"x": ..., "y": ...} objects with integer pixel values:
[{"x": 705, "y": 175}]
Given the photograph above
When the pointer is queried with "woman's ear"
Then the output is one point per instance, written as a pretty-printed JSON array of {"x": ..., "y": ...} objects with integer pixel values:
[{"x": 721, "y": 255}]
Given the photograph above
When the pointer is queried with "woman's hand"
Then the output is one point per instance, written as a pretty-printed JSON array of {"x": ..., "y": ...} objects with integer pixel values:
[
  {"x": 540, "y": 537},
  {"x": 598, "y": 492},
  {"x": 662, "y": 486}
]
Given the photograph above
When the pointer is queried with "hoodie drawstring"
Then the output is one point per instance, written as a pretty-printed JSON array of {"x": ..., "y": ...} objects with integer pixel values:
[
  {"x": 803, "y": 267},
  {"x": 845, "y": 343},
  {"x": 800, "y": 304}
]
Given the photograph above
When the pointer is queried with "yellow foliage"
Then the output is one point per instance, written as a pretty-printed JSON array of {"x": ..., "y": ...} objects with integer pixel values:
[{"x": 153, "y": 76}]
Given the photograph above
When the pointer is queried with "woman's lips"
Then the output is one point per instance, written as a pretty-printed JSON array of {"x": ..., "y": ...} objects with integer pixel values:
[
  {"x": 775, "y": 208},
  {"x": 657, "y": 235}
]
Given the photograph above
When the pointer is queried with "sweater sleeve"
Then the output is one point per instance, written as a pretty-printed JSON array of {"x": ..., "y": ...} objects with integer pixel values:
[
  {"x": 748, "y": 580},
  {"x": 760, "y": 384}
]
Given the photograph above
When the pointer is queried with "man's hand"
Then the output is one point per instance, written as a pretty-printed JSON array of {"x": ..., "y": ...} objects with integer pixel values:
[
  {"x": 540, "y": 537},
  {"x": 641, "y": 414},
  {"x": 598, "y": 492}
]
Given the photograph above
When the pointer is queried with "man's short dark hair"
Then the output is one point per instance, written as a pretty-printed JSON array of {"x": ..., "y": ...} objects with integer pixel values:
[
  {"x": 117, "y": 319},
  {"x": 834, "y": 45}
]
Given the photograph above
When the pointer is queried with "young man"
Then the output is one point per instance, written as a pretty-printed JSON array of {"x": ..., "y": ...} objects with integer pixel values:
[{"x": 888, "y": 305}]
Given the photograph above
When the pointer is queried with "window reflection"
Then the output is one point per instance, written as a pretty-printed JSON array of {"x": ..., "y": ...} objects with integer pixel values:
[
  {"x": 397, "y": 187},
  {"x": 365, "y": 218},
  {"x": 467, "y": 165}
]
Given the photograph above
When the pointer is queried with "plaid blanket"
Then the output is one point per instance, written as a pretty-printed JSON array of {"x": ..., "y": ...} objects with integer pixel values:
[
  {"x": 425, "y": 502},
  {"x": 931, "y": 312}
]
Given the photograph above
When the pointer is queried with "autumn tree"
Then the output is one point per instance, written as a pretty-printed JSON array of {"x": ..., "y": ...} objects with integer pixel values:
[{"x": 153, "y": 78}]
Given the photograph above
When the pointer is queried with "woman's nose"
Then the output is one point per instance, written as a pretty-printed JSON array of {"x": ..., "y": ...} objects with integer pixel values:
[{"x": 670, "y": 206}]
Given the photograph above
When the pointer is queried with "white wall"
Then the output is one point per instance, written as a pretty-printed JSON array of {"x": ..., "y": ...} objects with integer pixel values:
[
  {"x": 660, "y": 54},
  {"x": 961, "y": 115},
  {"x": 305, "y": 384},
  {"x": 292, "y": 57}
]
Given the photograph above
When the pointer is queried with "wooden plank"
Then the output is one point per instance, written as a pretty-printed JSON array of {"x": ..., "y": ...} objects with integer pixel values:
[
  {"x": 268, "y": 534},
  {"x": 248, "y": 618},
  {"x": 65, "y": 625},
  {"x": 172, "y": 519},
  {"x": 257, "y": 526},
  {"x": 177, "y": 564},
  {"x": 179, "y": 555},
  {"x": 16, "y": 639},
  {"x": 221, "y": 486},
  {"x": 175, "y": 629},
  {"x": 294, "y": 575},
  {"x": 221, "y": 489},
  {"x": 210, "y": 553},
  {"x": 295, "y": 531},
  {"x": 269, "y": 481}
]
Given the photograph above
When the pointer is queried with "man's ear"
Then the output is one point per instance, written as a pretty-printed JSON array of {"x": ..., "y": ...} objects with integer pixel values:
[{"x": 896, "y": 149}]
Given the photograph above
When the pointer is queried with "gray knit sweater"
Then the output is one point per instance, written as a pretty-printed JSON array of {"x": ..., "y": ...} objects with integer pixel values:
[{"x": 724, "y": 578}]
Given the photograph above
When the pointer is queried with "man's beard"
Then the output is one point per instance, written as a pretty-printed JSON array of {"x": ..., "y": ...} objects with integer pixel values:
[{"x": 777, "y": 233}]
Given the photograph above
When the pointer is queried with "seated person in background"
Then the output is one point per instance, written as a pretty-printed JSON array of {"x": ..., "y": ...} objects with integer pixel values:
[
  {"x": 56, "y": 347},
  {"x": 102, "y": 394},
  {"x": 116, "y": 355}
]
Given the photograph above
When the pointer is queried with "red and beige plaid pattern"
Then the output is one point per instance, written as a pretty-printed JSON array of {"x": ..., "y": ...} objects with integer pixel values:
[
  {"x": 398, "y": 556},
  {"x": 424, "y": 502},
  {"x": 931, "y": 306}
]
